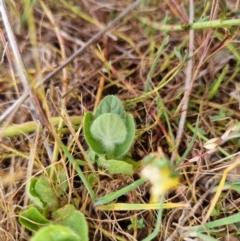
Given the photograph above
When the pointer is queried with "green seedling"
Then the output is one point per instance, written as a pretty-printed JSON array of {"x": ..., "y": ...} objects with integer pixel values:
[
  {"x": 136, "y": 223},
  {"x": 110, "y": 133},
  {"x": 66, "y": 223},
  {"x": 44, "y": 191}
]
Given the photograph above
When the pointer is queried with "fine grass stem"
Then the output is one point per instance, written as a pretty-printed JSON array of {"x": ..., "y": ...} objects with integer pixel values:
[
  {"x": 78, "y": 170},
  {"x": 216, "y": 83},
  {"x": 195, "y": 26},
  {"x": 158, "y": 223},
  {"x": 151, "y": 72},
  {"x": 189, "y": 147},
  {"x": 110, "y": 197}
]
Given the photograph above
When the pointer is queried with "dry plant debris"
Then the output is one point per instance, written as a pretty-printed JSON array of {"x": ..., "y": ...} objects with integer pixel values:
[{"x": 177, "y": 77}]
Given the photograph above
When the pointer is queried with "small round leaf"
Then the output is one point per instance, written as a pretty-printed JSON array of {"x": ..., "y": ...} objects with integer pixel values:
[{"x": 110, "y": 130}]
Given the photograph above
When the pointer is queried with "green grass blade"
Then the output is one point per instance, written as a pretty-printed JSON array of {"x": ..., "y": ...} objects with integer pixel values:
[
  {"x": 235, "y": 218},
  {"x": 150, "y": 74},
  {"x": 205, "y": 237},
  {"x": 160, "y": 105},
  {"x": 110, "y": 197},
  {"x": 189, "y": 147},
  {"x": 217, "y": 83},
  {"x": 78, "y": 170},
  {"x": 158, "y": 223}
]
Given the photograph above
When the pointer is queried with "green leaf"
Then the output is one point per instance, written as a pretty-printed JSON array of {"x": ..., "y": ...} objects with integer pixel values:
[
  {"x": 46, "y": 193},
  {"x": 123, "y": 148},
  {"x": 92, "y": 155},
  {"x": 110, "y": 130},
  {"x": 94, "y": 144},
  {"x": 56, "y": 233},
  {"x": 178, "y": 53},
  {"x": 110, "y": 104},
  {"x": 205, "y": 237},
  {"x": 92, "y": 179},
  {"x": 228, "y": 186},
  {"x": 118, "y": 167},
  {"x": 70, "y": 217},
  {"x": 129, "y": 160},
  {"x": 33, "y": 196},
  {"x": 32, "y": 219},
  {"x": 135, "y": 223},
  {"x": 235, "y": 187}
]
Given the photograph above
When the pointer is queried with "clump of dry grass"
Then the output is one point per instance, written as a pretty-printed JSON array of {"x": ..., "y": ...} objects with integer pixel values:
[{"x": 119, "y": 62}]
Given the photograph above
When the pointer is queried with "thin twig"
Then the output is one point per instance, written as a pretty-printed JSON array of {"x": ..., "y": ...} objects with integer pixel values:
[{"x": 188, "y": 85}]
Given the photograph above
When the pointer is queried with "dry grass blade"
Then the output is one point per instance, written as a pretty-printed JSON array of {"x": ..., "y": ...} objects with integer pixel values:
[{"x": 220, "y": 187}]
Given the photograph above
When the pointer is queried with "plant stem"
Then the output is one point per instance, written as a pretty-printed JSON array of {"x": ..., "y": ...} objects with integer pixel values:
[
  {"x": 31, "y": 126},
  {"x": 196, "y": 26},
  {"x": 110, "y": 155}
]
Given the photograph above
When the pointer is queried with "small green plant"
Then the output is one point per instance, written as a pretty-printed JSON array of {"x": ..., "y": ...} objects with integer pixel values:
[
  {"x": 136, "y": 223},
  {"x": 66, "y": 223},
  {"x": 110, "y": 133}
]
